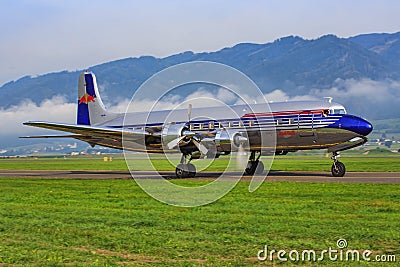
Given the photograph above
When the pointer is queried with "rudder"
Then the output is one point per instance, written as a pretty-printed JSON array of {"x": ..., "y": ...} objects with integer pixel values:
[{"x": 91, "y": 110}]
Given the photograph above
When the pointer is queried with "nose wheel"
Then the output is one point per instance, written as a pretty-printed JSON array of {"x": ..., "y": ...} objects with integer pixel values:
[
  {"x": 338, "y": 169},
  {"x": 185, "y": 169}
]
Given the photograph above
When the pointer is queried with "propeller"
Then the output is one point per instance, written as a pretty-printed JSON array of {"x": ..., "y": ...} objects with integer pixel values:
[
  {"x": 241, "y": 157},
  {"x": 191, "y": 136},
  {"x": 190, "y": 107},
  {"x": 240, "y": 140},
  {"x": 176, "y": 141}
]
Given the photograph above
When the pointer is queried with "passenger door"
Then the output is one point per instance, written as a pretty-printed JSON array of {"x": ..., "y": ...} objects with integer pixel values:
[{"x": 305, "y": 124}]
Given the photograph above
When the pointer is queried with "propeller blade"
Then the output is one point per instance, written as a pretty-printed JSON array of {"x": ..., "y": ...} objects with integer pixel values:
[
  {"x": 200, "y": 146},
  {"x": 241, "y": 158},
  {"x": 190, "y": 107},
  {"x": 175, "y": 142}
]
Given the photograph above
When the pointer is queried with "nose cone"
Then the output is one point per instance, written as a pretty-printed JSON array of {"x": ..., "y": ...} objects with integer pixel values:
[
  {"x": 363, "y": 127},
  {"x": 354, "y": 124}
]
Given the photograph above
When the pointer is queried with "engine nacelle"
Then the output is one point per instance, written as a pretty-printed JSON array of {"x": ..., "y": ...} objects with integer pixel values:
[{"x": 230, "y": 140}]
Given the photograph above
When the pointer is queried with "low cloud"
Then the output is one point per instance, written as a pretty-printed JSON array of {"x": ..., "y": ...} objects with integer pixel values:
[
  {"x": 199, "y": 98},
  {"x": 279, "y": 96},
  {"x": 54, "y": 109},
  {"x": 365, "y": 97}
]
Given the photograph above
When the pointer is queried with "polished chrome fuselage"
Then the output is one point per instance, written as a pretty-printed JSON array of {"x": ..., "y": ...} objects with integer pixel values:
[{"x": 295, "y": 125}]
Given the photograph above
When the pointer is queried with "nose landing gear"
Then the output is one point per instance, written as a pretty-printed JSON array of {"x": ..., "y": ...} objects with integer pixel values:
[
  {"x": 338, "y": 169},
  {"x": 185, "y": 169}
]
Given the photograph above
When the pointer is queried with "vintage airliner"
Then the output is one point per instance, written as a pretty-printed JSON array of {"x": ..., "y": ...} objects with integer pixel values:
[{"x": 297, "y": 125}]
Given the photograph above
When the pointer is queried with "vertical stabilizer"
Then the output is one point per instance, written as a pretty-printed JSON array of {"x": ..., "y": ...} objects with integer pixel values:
[{"x": 91, "y": 110}]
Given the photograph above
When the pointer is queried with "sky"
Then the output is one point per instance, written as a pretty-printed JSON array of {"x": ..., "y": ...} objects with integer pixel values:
[{"x": 42, "y": 36}]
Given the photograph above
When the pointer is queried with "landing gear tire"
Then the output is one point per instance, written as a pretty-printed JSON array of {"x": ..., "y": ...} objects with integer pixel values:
[
  {"x": 181, "y": 172},
  {"x": 338, "y": 169},
  {"x": 254, "y": 167},
  {"x": 192, "y": 170},
  {"x": 185, "y": 170}
]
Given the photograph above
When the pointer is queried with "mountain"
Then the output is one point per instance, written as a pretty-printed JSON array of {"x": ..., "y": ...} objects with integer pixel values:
[
  {"x": 385, "y": 45},
  {"x": 292, "y": 64}
]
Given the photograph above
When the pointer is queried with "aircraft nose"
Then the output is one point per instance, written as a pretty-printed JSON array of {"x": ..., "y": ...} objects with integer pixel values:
[{"x": 364, "y": 127}]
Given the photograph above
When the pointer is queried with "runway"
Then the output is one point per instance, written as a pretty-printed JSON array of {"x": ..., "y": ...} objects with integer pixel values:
[{"x": 273, "y": 176}]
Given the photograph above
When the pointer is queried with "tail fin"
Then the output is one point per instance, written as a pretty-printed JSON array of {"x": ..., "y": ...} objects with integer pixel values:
[{"x": 91, "y": 110}]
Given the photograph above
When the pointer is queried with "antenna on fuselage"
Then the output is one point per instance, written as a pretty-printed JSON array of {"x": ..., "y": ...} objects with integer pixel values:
[{"x": 328, "y": 98}]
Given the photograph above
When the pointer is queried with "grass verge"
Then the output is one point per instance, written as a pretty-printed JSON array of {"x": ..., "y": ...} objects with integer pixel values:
[{"x": 107, "y": 223}]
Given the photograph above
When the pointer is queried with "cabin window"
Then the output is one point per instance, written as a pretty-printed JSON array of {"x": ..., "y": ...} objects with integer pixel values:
[
  {"x": 234, "y": 123},
  {"x": 338, "y": 111},
  {"x": 211, "y": 125},
  {"x": 223, "y": 124}
]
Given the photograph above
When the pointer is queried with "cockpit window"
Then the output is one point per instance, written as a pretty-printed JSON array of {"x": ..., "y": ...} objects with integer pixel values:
[{"x": 338, "y": 111}]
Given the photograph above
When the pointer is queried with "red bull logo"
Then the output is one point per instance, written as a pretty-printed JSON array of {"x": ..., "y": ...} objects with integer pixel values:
[{"x": 86, "y": 98}]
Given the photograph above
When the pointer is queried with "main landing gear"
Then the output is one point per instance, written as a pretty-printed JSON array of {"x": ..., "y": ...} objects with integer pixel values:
[
  {"x": 338, "y": 169},
  {"x": 254, "y": 166},
  {"x": 185, "y": 169}
]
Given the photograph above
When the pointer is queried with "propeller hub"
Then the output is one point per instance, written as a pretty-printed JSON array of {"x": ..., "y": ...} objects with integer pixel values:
[{"x": 239, "y": 140}]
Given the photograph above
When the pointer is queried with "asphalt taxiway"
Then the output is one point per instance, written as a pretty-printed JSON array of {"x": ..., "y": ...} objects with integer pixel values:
[{"x": 273, "y": 176}]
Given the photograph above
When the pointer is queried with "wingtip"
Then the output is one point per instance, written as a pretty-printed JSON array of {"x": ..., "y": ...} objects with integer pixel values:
[
  {"x": 33, "y": 123},
  {"x": 28, "y": 123}
]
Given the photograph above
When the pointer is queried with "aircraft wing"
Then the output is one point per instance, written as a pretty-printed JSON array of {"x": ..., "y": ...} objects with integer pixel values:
[
  {"x": 90, "y": 134},
  {"x": 51, "y": 136}
]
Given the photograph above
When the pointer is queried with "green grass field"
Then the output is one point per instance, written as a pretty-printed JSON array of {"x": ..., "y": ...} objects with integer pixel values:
[
  {"x": 45, "y": 222},
  {"x": 108, "y": 223}
]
